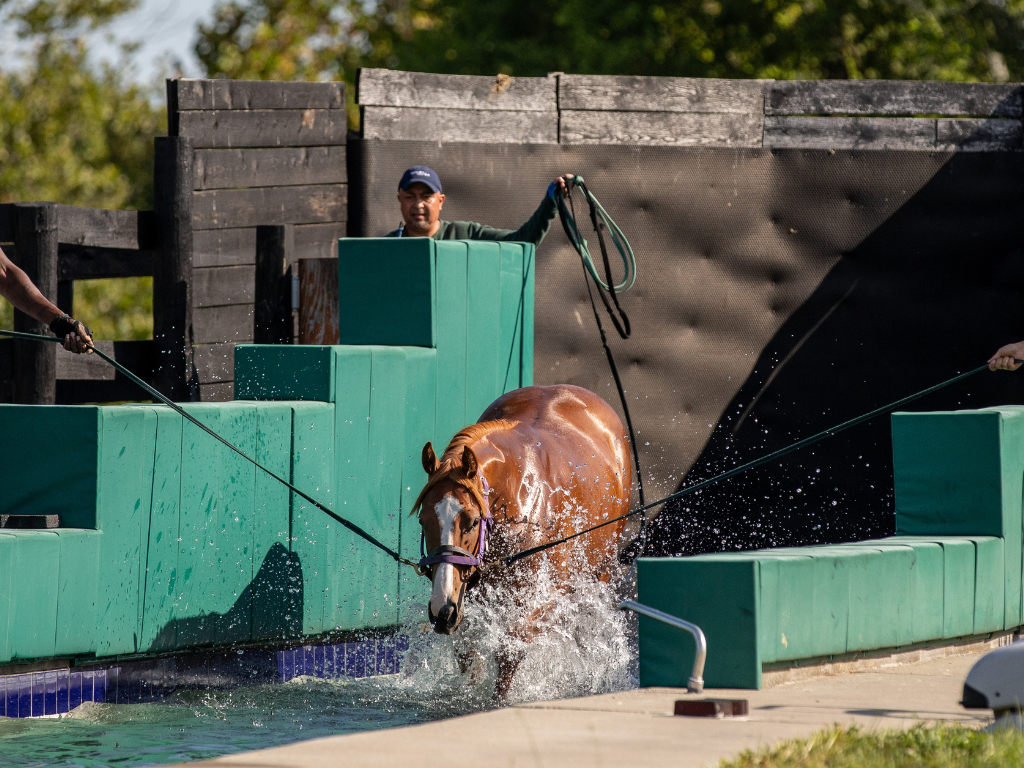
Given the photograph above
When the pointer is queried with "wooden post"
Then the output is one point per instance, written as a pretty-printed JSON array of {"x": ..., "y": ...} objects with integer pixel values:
[
  {"x": 35, "y": 364},
  {"x": 172, "y": 269},
  {"x": 274, "y": 247}
]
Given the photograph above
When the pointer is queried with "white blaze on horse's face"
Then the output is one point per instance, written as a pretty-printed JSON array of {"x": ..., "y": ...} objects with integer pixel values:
[{"x": 447, "y": 510}]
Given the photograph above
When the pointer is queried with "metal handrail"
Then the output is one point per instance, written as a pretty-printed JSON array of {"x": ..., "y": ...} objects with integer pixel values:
[{"x": 696, "y": 682}]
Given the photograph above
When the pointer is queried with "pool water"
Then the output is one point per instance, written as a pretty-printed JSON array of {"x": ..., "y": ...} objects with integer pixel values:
[{"x": 588, "y": 648}]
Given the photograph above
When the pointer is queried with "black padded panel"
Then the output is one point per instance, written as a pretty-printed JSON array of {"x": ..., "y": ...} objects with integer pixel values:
[{"x": 780, "y": 292}]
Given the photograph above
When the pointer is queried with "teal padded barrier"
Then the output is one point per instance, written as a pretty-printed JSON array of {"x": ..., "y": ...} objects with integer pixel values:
[
  {"x": 959, "y": 473},
  {"x": 180, "y": 544}
]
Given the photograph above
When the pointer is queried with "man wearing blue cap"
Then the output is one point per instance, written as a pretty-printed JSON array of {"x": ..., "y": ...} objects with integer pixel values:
[{"x": 421, "y": 196}]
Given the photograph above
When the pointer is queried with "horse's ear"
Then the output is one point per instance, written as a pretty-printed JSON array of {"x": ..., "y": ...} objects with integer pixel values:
[
  {"x": 430, "y": 462},
  {"x": 469, "y": 463}
]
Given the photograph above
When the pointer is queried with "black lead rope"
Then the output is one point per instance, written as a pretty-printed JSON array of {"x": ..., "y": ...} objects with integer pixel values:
[
  {"x": 507, "y": 561},
  {"x": 178, "y": 409},
  {"x": 598, "y": 216}
]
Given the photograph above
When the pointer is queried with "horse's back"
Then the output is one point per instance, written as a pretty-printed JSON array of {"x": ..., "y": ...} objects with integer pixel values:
[
  {"x": 555, "y": 408},
  {"x": 565, "y": 412}
]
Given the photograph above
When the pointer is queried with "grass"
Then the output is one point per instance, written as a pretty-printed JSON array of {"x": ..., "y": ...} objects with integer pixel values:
[{"x": 923, "y": 746}]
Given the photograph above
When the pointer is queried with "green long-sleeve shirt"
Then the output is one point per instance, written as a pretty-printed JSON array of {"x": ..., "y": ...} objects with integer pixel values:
[{"x": 532, "y": 231}]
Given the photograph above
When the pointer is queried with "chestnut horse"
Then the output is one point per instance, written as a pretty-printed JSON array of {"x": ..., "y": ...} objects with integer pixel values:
[{"x": 542, "y": 463}]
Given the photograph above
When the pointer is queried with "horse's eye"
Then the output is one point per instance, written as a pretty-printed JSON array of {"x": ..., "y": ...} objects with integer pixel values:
[{"x": 475, "y": 523}]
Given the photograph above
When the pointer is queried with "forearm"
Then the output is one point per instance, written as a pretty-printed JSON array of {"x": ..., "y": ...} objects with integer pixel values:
[{"x": 19, "y": 290}]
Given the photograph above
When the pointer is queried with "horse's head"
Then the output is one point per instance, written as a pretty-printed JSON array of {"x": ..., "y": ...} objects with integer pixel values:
[{"x": 454, "y": 516}]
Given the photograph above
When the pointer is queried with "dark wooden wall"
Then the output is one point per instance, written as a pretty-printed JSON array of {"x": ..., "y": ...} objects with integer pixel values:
[
  {"x": 264, "y": 153},
  {"x": 687, "y": 112}
]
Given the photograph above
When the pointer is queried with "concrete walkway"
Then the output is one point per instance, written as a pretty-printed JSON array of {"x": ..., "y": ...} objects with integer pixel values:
[{"x": 637, "y": 728}]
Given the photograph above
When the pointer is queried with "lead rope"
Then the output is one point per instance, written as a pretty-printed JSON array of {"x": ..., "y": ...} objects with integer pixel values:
[
  {"x": 601, "y": 221},
  {"x": 507, "y": 561},
  {"x": 178, "y": 409}
]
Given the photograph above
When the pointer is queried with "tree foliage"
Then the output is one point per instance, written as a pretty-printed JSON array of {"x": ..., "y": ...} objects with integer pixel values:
[
  {"x": 783, "y": 39},
  {"x": 78, "y": 132}
]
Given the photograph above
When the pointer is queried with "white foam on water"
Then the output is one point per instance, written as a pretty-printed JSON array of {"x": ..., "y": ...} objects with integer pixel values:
[{"x": 584, "y": 646}]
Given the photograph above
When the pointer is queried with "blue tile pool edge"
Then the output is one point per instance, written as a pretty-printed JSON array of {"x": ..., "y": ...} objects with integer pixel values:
[{"x": 57, "y": 692}]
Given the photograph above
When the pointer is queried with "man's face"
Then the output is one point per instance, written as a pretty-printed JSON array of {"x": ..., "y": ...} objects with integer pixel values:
[{"x": 421, "y": 209}]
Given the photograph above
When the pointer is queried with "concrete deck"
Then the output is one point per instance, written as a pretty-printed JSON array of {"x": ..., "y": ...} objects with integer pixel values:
[{"x": 638, "y": 728}]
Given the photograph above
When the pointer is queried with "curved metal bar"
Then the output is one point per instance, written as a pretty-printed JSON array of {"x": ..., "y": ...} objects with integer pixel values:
[{"x": 696, "y": 682}]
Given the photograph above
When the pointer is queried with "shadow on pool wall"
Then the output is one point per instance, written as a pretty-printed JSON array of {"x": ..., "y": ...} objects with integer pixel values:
[
  {"x": 271, "y": 604},
  {"x": 782, "y": 290},
  {"x": 931, "y": 292}
]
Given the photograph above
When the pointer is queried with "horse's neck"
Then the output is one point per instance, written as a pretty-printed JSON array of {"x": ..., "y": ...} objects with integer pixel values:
[{"x": 499, "y": 460}]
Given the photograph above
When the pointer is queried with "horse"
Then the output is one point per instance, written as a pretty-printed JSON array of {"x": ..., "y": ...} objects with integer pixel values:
[{"x": 541, "y": 463}]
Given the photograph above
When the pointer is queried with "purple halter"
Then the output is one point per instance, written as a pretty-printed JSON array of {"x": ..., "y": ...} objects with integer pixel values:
[{"x": 447, "y": 553}]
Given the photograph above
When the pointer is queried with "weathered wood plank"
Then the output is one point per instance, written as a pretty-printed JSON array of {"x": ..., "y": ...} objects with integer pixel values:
[
  {"x": 82, "y": 262},
  {"x": 257, "y": 94},
  {"x": 72, "y": 367},
  {"x": 318, "y": 240},
  {"x": 215, "y": 362},
  {"x": 661, "y": 128},
  {"x": 220, "y": 286},
  {"x": 224, "y": 247},
  {"x": 388, "y": 88},
  {"x": 892, "y": 97},
  {"x": 978, "y": 135},
  {"x": 660, "y": 94},
  {"x": 105, "y": 228},
  {"x": 222, "y": 392},
  {"x": 216, "y": 325},
  {"x": 231, "y": 168},
  {"x": 849, "y": 133},
  {"x": 311, "y": 204},
  {"x": 264, "y": 128},
  {"x": 318, "y": 301},
  {"x": 460, "y": 125}
]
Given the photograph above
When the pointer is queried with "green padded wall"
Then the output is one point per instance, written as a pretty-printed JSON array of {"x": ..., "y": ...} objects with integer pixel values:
[
  {"x": 960, "y": 473},
  {"x": 719, "y": 593}
]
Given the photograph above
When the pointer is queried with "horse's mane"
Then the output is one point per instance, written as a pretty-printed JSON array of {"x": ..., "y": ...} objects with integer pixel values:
[{"x": 451, "y": 460}]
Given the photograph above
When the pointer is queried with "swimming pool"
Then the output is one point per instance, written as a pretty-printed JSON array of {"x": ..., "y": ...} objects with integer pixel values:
[{"x": 589, "y": 648}]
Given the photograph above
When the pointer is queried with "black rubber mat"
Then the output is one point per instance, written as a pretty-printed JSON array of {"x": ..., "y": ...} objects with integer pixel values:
[{"x": 779, "y": 293}]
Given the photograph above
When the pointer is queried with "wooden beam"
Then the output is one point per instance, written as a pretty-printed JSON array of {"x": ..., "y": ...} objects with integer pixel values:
[
  {"x": 225, "y": 247},
  {"x": 275, "y": 246},
  {"x": 72, "y": 367},
  {"x": 849, "y": 133},
  {"x": 222, "y": 392},
  {"x": 215, "y": 363},
  {"x": 257, "y": 94},
  {"x": 81, "y": 262},
  {"x": 219, "y": 286},
  {"x": 35, "y": 363},
  {"x": 661, "y": 128},
  {"x": 102, "y": 228},
  {"x": 264, "y": 128},
  {"x": 660, "y": 94},
  {"x": 978, "y": 135},
  {"x": 388, "y": 88},
  {"x": 892, "y": 97},
  {"x": 319, "y": 311},
  {"x": 317, "y": 203},
  {"x": 231, "y": 168},
  {"x": 172, "y": 274},
  {"x": 460, "y": 125},
  {"x": 216, "y": 325}
]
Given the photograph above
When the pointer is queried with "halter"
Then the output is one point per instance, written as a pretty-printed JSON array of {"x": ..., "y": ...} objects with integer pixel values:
[{"x": 452, "y": 555}]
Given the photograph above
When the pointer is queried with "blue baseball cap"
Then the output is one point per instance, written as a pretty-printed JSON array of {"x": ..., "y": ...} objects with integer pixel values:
[{"x": 421, "y": 174}]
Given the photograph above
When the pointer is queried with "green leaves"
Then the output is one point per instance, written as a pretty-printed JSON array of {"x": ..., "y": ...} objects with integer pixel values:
[{"x": 783, "y": 39}]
